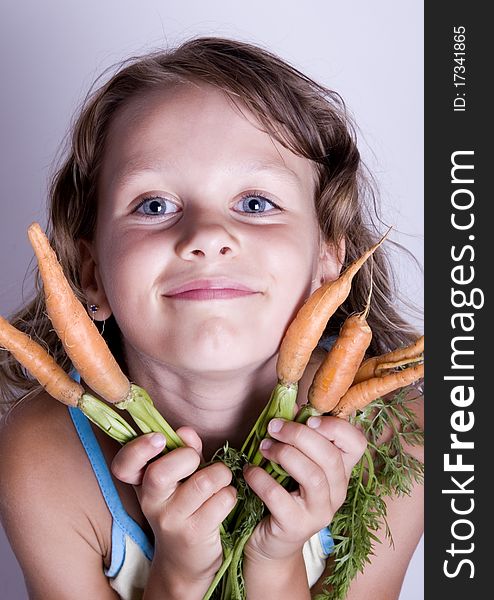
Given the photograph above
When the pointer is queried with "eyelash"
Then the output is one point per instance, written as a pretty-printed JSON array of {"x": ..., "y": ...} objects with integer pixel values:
[
  {"x": 258, "y": 195},
  {"x": 148, "y": 199}
]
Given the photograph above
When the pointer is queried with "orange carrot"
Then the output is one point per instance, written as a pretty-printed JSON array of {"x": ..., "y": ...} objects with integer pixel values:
[
  {"x": 40, "y": 364},
  {"x": 305, "y": 330},
  {"x": 382, "y": 368},
  {"x": 361, "y": 394},
  {"x": 81, "y": 339},
  {"x": 372, "y": 366},
  {"x": 336, "y": 373}
]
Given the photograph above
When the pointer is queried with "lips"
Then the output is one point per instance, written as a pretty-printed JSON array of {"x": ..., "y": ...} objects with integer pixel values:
[{"x": 210, "y": 289}]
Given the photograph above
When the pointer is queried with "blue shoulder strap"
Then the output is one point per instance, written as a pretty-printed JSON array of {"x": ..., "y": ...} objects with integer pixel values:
[{"x": 123, "y": 524}]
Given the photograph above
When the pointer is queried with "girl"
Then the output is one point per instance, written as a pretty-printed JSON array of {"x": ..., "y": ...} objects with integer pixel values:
[{"x": 206, "y": 193}]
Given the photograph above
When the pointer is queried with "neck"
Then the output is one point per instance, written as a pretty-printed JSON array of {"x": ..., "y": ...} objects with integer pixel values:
[{"x": 219, "y": 406}]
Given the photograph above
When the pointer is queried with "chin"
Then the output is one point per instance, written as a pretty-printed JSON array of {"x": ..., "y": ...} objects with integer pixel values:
[
  {"x": 240, "y": 357},
  {"x": 219, "y": 346},
  {"x": 217, "y": 362},
  {"x": 216, "y": 339},
  {"x": 225, "y": 358}
]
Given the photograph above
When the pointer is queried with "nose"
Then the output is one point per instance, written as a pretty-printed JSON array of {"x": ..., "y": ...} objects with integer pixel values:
[{"x": 207, "y": 241}]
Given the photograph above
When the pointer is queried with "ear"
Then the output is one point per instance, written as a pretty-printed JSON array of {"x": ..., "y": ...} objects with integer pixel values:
[
  {"x": 91, "y": 282},
  {"x": 330, "y": 262}
]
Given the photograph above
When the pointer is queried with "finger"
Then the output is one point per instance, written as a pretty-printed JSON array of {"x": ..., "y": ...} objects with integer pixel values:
[
  {"x": 190, "y": 437},
  {"x": 130, "y": 461},
  {"x": 162, "y": 477},
  {"x": 316, "y": 447},
  {"x": 319, "y": 487},
  {"x": 279, "y": 502},
  {"x": 198, "y": 489},
  {"x": 214, "y": 511},
  {"x": 345, "y": 436}
]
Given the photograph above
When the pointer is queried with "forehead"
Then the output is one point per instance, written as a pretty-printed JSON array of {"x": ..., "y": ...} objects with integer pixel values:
[{"x": 199, "y": 124}]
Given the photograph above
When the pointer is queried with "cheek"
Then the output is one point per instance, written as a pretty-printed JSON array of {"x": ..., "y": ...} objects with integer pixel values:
[
  {"x": 294, "y": 254},
  {"x": 129, "y": 270},
  {"x": 134, "y": 267},
  {"x": 293, "y": 267}
]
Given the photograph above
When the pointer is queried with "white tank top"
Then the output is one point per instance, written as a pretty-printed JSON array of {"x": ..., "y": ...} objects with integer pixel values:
[{"x": 131, "y": 550}]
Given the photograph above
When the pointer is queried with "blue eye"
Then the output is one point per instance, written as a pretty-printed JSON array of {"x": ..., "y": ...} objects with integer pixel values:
[
  {"x": 256, "y": 204},
  {"x": 156, "y": 206}
]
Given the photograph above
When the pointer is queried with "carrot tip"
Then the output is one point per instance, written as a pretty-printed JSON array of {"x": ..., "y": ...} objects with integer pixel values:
[{"x": 80, "y": 338}]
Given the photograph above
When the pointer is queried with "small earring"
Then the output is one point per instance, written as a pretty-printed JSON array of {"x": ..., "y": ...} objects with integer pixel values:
[{"x": 93, "y": 308}]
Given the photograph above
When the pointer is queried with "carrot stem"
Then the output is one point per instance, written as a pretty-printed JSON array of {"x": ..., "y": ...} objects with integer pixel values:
[
  {"x": 306, "y": 411},
  {"x": 233, "y": 570},
  {"x": 281, "y": 404},
  {"x": 147, "y": 417},
  {"x": 227, "y": 559},
  {"x": 278, "y": 470},
  {"x": 106, "y": 418},
  {"x": 370, "y": 469}
]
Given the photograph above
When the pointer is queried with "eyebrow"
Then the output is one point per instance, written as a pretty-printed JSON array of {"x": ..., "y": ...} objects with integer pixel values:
[
  {"x": 273, "y": 167},
  {"x": 133, "y": 169}
]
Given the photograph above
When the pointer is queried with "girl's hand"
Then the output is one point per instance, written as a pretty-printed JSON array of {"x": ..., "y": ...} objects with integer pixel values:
[
  {"x": 183, "y": 505},
  {"x": 319, "y": 456}
]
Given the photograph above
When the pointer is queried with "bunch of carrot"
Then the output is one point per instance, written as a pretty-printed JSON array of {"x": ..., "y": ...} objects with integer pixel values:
[{"x": 343, "y": 384}]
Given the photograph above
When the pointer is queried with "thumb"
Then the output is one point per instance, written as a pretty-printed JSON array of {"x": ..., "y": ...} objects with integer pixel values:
[{"x": 191, "y": 439}]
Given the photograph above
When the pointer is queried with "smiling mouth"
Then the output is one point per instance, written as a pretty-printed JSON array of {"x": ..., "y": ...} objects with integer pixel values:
[
  {"x": 211, "y": 294},
  {"x": 211, "y": 288}
]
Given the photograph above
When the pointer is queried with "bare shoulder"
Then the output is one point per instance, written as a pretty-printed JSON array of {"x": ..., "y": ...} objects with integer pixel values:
[
  {"x": 38, "y": 447},
  {"x": 50, "y": 503}
]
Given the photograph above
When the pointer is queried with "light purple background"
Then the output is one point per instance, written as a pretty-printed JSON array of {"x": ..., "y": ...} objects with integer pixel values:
[{"x": 370, "y": 52}]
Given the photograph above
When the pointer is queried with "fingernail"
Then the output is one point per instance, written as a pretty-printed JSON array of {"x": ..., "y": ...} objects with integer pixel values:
[
  {"x": 158, "y": 440},
  {"x": 275, "y": 425},
  {"x": 265, "y": 444},
  {"x": 314, "y": 422}
]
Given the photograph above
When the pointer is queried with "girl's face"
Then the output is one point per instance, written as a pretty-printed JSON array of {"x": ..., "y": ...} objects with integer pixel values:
[{"x": 207, "y": 241}]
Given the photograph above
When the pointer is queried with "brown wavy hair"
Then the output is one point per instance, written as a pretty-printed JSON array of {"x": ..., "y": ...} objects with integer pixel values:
[{"x": 302, "y": 115}]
